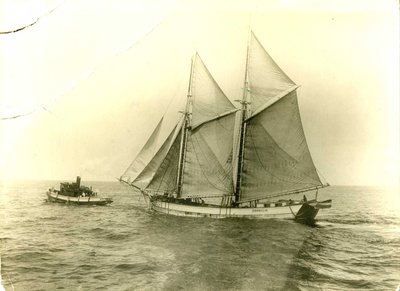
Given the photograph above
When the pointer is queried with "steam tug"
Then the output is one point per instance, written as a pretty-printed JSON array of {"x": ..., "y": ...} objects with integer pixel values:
[{"x": 75, "y": 193}]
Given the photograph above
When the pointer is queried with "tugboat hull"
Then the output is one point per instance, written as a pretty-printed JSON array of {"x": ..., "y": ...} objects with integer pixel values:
[{"x": 53, "y": 196}]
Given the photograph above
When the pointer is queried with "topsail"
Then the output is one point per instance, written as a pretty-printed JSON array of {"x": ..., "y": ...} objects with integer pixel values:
[{"x": 265, "y": 79}]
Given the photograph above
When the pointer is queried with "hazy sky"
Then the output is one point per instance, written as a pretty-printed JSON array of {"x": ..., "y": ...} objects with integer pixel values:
[{"x": 92, "y": 79}]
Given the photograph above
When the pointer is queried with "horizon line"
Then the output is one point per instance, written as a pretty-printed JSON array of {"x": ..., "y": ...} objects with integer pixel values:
[{"x": 116, "y": 180}]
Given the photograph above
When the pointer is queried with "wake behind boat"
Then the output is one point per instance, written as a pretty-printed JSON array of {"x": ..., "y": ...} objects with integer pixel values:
[
  {"x": 219, "y": 161},
  {"x": 75, "y": 193}
]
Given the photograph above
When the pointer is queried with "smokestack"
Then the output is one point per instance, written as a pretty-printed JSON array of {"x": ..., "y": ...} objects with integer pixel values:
[{"x": 78, "y": 181}]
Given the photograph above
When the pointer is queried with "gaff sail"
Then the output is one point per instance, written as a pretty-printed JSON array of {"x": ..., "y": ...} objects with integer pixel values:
[
  {"x": 276, "y": 156},
  {"x": 208, "y": 163}
]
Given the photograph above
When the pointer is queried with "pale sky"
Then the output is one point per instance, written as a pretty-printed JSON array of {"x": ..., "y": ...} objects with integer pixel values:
[{"x": 92, "y": 79}]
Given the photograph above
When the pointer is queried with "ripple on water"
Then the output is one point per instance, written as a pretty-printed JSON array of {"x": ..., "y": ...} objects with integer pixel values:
[{"x": 46, "y": 246}]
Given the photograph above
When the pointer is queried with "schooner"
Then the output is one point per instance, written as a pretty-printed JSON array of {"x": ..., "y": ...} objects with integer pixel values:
[{"x": 220, "y": 161}]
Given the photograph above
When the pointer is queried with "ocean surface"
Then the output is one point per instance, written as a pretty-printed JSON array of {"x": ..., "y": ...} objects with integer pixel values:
[{"x": 46, "y": 246}]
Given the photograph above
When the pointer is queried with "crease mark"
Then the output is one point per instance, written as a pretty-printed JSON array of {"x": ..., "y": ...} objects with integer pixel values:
[
  {"x": 33, "y": 23},
  {"x": 17, "y": 116},
  {"x": 90, "y": 71},
  {"x": 25, "y": 114}
]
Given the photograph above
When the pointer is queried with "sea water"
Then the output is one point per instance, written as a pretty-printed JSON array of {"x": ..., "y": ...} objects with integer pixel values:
[{"x": 48, "y": 246}]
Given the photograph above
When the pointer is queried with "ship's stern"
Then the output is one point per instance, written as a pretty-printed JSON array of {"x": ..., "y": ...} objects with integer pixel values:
[{"x": 309, "y": 211}]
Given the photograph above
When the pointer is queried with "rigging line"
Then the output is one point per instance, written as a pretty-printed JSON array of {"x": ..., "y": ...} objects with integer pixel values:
[{"x": 34, "y": 22}]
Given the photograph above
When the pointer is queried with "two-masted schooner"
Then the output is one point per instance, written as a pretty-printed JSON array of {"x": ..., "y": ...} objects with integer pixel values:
[{"x": 220, "y": 161}]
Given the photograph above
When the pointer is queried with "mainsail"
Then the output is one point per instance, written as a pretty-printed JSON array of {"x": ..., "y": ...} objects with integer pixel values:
[{"x": 276, "y": 156}]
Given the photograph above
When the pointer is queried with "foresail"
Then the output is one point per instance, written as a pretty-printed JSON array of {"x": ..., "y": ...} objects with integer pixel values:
[
  {"x": 208, "y": 100},
  {"x": 144, "y": 156},
  {"x": 164, "y": 179},
  {"x": 277, "y": 158},
  {"x": 266, "y": 79},
  {"x": 147, "y": 174},
  {"x": 208, "y": 163}
]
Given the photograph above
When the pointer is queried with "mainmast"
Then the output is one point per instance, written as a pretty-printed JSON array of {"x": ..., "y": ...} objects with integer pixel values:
[
  {"x": 185, "y": 128},
  {"x": 244, "y": 114}
]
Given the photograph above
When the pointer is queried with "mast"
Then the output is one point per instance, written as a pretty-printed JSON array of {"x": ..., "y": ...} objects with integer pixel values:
[
  {"x": 185, "y": 128},
  {"x": 244, "y": 113}
]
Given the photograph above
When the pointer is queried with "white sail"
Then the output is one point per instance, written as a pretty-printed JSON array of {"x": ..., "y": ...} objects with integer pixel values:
[
  {"x": 144, "y": 156},
  {"x": 208, "y": 162},
  {"x": 266, "y": 79},
  {"x": 208, "y": 100},
  {"x": 146, "y": 175},
  {"x": 276, "y": 157}
]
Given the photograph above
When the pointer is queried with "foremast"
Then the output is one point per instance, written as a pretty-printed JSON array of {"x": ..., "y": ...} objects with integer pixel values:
[{"x": 185, "y": 128}]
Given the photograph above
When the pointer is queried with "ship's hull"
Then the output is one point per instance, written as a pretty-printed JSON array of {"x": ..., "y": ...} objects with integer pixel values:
[
  {"x": 300, "y": 211},
  {"x": 53, "y": 196}
]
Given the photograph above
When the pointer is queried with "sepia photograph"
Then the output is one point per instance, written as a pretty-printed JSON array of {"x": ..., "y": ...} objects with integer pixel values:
[{"x": 199, "y": 145}]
